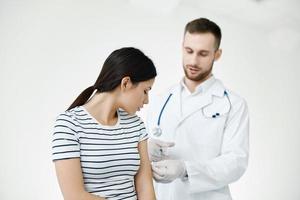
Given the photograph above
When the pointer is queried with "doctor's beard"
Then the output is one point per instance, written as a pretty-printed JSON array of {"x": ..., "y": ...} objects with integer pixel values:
[{"x": 200, "y": 77}]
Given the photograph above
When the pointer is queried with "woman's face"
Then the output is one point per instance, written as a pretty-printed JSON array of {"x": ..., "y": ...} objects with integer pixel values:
[{"x": 135, "y": 96}]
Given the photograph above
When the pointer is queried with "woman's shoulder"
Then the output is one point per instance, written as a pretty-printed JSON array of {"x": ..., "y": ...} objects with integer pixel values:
[{"x": 70, "y": 116}]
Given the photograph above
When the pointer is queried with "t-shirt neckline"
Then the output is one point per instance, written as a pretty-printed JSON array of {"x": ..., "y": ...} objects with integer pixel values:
[{"x": 98, "y": 123}]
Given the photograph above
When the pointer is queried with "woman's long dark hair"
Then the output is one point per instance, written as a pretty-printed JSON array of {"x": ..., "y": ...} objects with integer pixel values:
[{"x": 122, "y": 62}]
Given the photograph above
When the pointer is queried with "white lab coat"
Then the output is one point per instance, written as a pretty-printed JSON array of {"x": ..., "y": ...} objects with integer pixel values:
[{"x": 215, "y": 150}]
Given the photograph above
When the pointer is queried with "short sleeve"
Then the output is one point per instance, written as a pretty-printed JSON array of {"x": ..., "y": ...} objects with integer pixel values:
[
  {"x": 65, "y": 143},
  {"x": 143, "y": 132}
]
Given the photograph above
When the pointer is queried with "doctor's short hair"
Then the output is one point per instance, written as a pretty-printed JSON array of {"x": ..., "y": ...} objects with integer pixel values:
[{"x": 203, "y": 25}]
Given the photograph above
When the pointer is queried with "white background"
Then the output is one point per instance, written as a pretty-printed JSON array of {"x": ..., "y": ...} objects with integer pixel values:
[{"x": 51, "y": 50}]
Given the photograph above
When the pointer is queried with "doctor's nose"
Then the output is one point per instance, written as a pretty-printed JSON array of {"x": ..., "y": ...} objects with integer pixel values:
[{"x": 192, "y": 60}]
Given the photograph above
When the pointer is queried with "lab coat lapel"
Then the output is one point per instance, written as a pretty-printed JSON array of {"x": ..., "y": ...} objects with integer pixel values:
[
  {"x": 197, "y": 104},
  {"x": 203, "y": 100}
]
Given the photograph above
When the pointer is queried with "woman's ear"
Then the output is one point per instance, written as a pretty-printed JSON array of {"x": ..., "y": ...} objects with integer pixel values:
[{"x": 126, "y": 83}]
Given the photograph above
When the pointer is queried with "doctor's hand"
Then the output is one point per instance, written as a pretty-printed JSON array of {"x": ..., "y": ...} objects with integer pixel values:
[
  {"x": 167, "y": 171},
  {"x": 158, "y": 149}
]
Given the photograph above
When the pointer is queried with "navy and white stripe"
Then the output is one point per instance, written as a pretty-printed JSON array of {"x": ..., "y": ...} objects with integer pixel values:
[{"x": 108, "y": 154}]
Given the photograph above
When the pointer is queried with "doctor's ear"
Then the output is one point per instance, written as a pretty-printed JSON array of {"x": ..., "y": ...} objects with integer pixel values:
[
  {"x": 126, "y": 83},
  {"x": 218, "y": 54}
]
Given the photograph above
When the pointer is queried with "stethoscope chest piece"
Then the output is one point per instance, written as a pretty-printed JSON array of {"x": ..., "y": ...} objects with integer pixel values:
[{"x": 156, "y": 131}]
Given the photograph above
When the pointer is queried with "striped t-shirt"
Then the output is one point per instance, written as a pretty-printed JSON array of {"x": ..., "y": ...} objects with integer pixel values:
[{"x": 108, "y": 154}]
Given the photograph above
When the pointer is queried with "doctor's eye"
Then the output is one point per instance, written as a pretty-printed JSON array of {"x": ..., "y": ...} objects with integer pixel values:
[
  {"x": 145, "y": 91},
  {"x": 189, "y": 51},
  {"x": 204, "y": 54}
]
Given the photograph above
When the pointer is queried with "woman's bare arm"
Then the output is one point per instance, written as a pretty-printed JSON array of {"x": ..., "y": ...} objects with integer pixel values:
[
  {"x": 69, "y": 175},
  {"x": 143, "y": 179}
]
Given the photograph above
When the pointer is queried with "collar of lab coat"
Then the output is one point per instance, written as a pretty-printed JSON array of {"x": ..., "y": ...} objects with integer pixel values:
[
  {"x": 201, "y": 88},
  {"x": 211, "y": 86},
  {"x": 215, "y": 88}
]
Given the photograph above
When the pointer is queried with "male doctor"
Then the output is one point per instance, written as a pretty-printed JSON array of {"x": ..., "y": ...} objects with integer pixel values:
[{"x": 199, "y": 128}]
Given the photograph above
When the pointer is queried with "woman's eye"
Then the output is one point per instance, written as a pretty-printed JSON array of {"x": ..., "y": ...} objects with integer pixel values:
[{"x": 145, "y": 91}]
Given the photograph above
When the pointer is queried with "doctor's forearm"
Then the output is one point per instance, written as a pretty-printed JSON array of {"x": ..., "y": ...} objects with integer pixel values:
[{"x": 216, "y": 173}]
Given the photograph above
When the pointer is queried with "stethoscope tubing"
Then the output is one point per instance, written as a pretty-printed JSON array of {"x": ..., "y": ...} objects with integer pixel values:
[
  {"x": 158, "y": 130},
  {"x": 163, "y": 108}
]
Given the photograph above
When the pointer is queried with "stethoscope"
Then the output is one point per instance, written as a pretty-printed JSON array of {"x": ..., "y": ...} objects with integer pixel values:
[{"x": 157, "y": 131}]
